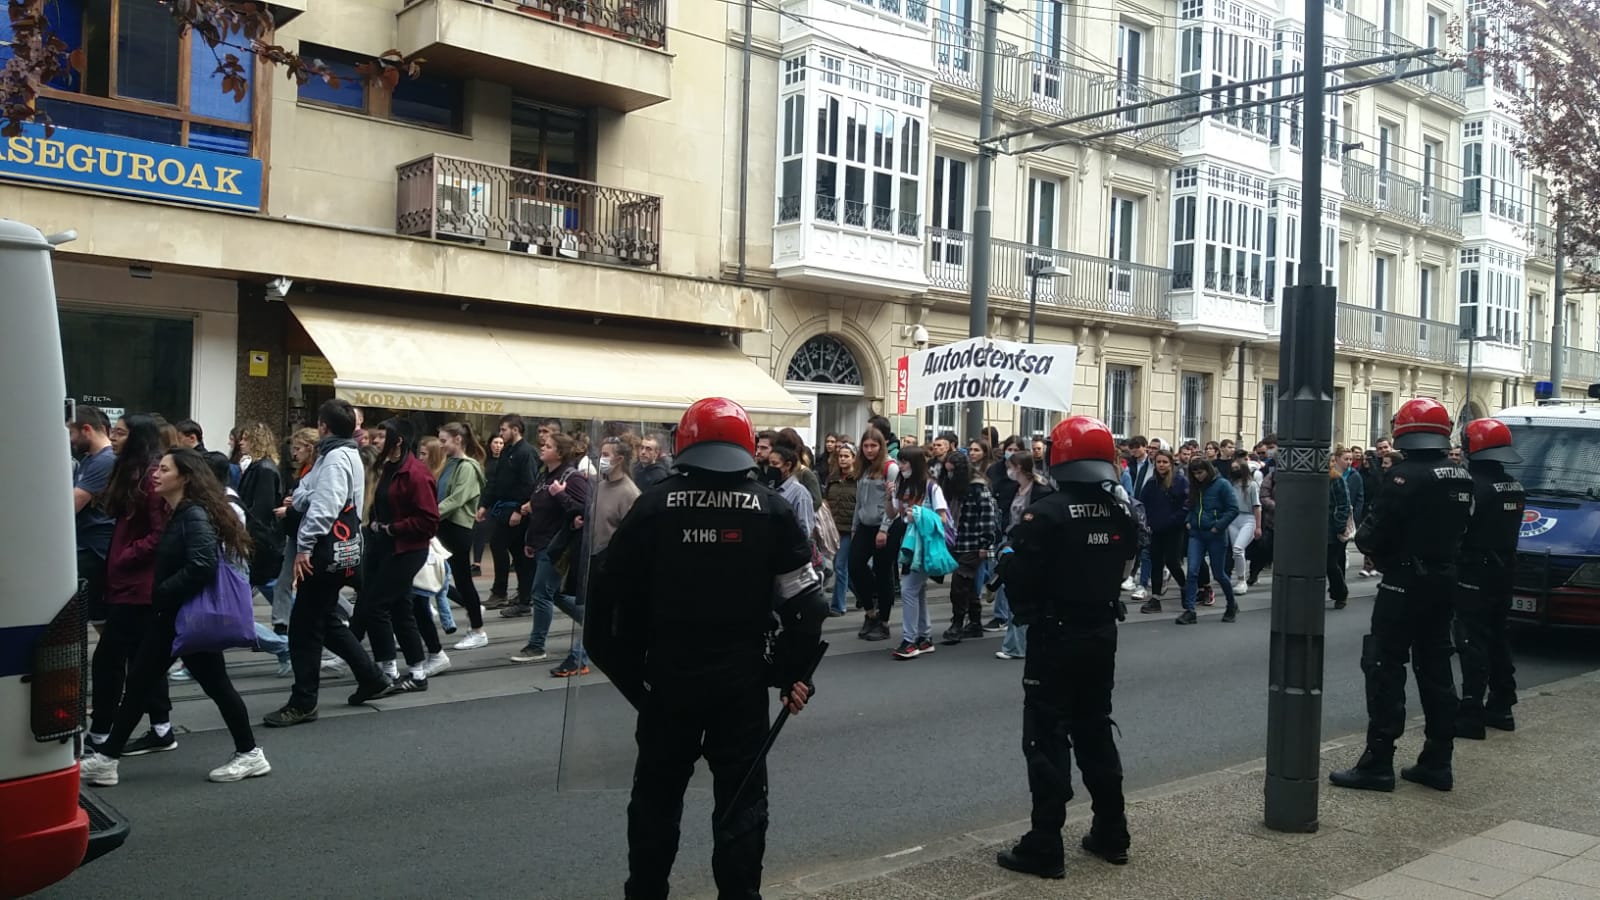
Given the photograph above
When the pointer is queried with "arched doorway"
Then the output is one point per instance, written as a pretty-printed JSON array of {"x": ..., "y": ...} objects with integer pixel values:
[{"x": 825, "y": 375}]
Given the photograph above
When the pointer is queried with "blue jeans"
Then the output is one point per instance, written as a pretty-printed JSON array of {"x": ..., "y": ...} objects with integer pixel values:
[
  {"x": 1215, "y": 547},
  {"x": 546, "y": 586},
  {"x": 269, "y": 641},
  {"x": 841, "y": 574},
  {"x": 1002, "y": 606},
  {"x": 1144, "y": 566},
  {"x": 570, "y": 605}
]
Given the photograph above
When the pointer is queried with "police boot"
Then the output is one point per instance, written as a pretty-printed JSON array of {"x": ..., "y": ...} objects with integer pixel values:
[
  {"x": 1110, "y": 843},
  {"x": 1035, "y": 854},
  {"x": 1497, "y": 713},
  {"x": 1373, "y": 772},
  {"x": 866, "y": 625},
  {"x": 1469, "y": 720},
  {"x": 1432, "y": 768}
]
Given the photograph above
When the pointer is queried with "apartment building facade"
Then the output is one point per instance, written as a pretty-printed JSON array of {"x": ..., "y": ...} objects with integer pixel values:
[
  {"x": 584, "y": 208},
  {"x": 1163, "y": 251},
  {"x": 529, "y": 226}
]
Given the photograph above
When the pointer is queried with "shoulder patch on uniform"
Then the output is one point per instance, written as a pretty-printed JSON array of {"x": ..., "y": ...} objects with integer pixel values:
[
  {"x": 1398, "y": 479},
  {"x": 1027, "y": 517}
]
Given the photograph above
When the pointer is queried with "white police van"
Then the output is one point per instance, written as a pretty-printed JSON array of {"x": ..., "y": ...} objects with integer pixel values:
[
  {"x": 48, "y": 825},
  {"x": 1558, "y": 551}
]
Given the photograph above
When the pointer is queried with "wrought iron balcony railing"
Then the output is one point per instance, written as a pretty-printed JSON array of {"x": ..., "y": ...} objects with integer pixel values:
[
  {"x": 1081, "y": 282},
  {"x": 1364, "y": 328},
  {"x": 530, "y": 212},
  {"x": 1580, "y": 366},
  {"x": 644, "y": 21}
]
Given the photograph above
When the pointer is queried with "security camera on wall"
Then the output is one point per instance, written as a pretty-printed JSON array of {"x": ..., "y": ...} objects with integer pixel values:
[
  {"x": 919, "y": 336},
  {"x": 278, "y": 288}
]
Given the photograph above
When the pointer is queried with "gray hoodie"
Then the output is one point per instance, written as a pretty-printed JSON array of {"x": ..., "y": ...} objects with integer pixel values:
[{"x": 336, "y": 481}]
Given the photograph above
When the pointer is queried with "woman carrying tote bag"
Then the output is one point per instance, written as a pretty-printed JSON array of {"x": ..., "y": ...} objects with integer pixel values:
[{"x": 201, "y": 529}]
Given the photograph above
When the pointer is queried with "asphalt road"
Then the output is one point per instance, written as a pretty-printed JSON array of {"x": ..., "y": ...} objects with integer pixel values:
[{"x": 461, "y": 799}]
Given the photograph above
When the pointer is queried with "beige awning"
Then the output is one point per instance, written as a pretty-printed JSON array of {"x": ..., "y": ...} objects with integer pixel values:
[{"x": 464, "y": 362}]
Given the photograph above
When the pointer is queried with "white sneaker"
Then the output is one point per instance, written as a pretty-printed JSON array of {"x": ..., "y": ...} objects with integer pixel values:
[
  {"x": 1127, "y": 583},
  {"x": 243, "y": 765},
  {"x": 100, "y": 771},
  {"x": 472, "y": 641},
  {"x": 391, "y": 669},
  {"x": 435, "y": 663},
  {"x": 1140, "y": 593},
  {"x": 333, "y": 666},
  {"x": 1240, "y": 589}
]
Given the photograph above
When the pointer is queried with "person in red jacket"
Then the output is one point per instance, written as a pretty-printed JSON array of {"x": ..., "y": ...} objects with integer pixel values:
[
  {"x": 405, "y": 517},
  {"x": 141, "y": 515}
]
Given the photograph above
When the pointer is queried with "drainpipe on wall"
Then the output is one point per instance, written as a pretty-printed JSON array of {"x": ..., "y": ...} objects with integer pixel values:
[
  {"x": 1238, "y": 437},
  {"x": 744, "y": 142}
]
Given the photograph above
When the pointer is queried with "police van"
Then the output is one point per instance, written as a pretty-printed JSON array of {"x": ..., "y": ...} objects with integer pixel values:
[
  {"x": 48, "y": 825},
  {"x": 1558, "y": 549}
]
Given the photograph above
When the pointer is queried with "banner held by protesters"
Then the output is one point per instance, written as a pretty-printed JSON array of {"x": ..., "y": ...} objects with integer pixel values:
[{"x": 1038, "y": 376}]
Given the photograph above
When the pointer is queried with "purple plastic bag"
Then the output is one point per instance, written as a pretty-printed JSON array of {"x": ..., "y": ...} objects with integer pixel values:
[{"x": 219, "y": 618}]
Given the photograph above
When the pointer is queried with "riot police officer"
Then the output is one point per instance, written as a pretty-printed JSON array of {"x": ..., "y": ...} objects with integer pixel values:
[
  {"x": 1064, "y": 579},
  {"x": 1483, "y": 590},
  {"x": 1413, "y": 532},
  {"x": 693, "y": 581}
]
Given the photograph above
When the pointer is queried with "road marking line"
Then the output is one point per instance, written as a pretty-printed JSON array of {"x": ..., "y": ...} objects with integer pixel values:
[{"x": 916, "y": 849}]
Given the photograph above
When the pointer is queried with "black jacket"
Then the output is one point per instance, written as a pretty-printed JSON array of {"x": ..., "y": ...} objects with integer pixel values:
[
  {"x": 1071, "y": 548},
  {"x": 1420, "y": 516},
  {"x": 513, "y": 478},
  {"x": 186, "y": 558},
  {"x": 261, "y": 491}
]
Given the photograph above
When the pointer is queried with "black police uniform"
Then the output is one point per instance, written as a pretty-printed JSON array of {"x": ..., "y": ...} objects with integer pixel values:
[
  {"x": 1064, "y": 579},
  {"x": 697, "y": 570},
  {"x": 1413, "y": 533},
  {"x": 1483, "y": 597}
]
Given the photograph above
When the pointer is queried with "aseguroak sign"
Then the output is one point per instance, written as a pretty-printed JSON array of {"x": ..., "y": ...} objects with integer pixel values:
[{"x": 1038, "y": 376}]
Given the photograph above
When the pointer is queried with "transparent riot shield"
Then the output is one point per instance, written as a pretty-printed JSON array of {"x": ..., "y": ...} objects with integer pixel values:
[{"x": 597, "y": 739}]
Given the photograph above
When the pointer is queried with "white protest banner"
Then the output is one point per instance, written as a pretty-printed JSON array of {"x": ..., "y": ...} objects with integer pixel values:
[{"x": 1039, "y": 376}]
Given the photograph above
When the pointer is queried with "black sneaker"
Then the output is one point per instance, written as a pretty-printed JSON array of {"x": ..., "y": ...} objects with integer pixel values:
[
  {"x": 953, "y": 635},
  {"x": 1188, "y": 618},
  {"x": 1019, "y": 860},
  {"x": 995, "y": 624},
  {"x": 878, "y": 632},
  {"x": 406, "y": 685},
  {"x": 1153, "y": 605},
  {"x": 1500, "y": 719},
  {"x": 517, "y": 611},
  {"x": 152, "y": 743},
  {"x": 369, "y": 692},
  {"x": 1117, "y": 856},
  {"x": 1231, "y": 614},
  {"x": 973, "y": 629},
  {"x": 288, "y": 715},
  {"x": 1341, "y": 604}
]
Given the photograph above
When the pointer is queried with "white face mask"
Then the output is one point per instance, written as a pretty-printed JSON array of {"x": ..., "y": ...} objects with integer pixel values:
[{"x": 605, "y": 464}]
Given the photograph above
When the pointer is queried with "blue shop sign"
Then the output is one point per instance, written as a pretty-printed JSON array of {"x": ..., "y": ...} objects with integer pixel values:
[{"x": 89, "y": 159}]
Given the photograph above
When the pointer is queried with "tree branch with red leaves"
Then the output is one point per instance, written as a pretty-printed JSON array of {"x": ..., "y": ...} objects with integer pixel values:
[
  {"x": 1544, "y": 56},
  {"x": 233, "y": 31}
]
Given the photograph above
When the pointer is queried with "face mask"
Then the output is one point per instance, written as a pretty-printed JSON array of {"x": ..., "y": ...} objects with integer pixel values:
[{"x": 605, "y": 464}]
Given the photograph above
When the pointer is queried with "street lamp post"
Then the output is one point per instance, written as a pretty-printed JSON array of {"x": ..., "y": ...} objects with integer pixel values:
[{"x": 1037, "y": 269}]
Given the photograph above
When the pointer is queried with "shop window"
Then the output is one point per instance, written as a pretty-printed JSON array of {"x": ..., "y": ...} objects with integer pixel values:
[
  {"x": 132, "y": 363},
  {"x": 144, "y": 78},
  {"x": 429, "y": 101}
]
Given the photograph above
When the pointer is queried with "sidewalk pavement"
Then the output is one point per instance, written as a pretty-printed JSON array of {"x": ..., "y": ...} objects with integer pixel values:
[{"x": 1523, "y": 823}]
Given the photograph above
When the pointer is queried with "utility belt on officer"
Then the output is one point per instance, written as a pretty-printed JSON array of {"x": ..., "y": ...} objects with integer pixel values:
[
  {"x": 1412, "y": 567},
  {"x": 1484, "y": 560}
]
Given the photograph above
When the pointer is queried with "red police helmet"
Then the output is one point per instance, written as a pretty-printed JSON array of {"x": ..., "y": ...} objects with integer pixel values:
[
  {"x": 1489, "y": 439},
  {"x": 1082, "y": 449},
  {"x": 715, "y": 435},
  {"x": 1422, "y": 424}
]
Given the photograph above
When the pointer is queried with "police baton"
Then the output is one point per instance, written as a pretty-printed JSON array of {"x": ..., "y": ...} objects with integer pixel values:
[{"x": 772, "y": 736}]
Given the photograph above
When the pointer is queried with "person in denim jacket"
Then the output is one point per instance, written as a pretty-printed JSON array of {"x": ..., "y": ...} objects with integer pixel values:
[{"x": 1213, "y": 506}]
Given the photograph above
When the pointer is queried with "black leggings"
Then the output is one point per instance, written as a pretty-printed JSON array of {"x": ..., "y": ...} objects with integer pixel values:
[
  {"x": 458, "y": 540},
  {"x": 111, "y": 669},
  {"x": 384, "y": 609},
  {"x": 872, "y": 571},
  {"x": 1166, "y": 555},
  {"x": 149, "y": 669}
]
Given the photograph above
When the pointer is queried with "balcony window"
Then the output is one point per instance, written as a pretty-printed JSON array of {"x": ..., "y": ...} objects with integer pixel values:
[
  {"x": 429, "y": 101},
  {"x": 1044, "y": 211},
  {"x": 143, "y": 78},
  {"x": 1192, "y": 423},
  {"x": 1269, "y": 407},
  {"x": 1119, "y": 408},
  {"x": 1183, "y": 231},
  {"x": 1380, "y": 410},
  {"x": 949, "y": 211}
]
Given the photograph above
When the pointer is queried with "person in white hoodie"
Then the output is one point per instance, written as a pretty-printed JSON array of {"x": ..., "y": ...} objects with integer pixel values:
[{"x": 335, "y": 483}]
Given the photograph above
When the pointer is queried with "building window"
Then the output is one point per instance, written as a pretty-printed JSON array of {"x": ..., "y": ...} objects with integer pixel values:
[
  {"x": 1432, "y": 153},
  {"x": 429, "y": 101},
  {"x": 1123, "y": 240},
  {"x": 161, "y": 82},
  {"x": 1044, "y": 211},
  {"x": 824, "y": 360},
  {"x": 1035, "y": 423},
  {"x": 1119, "y": 408},
  {"x": 827, "y": 175},
  {"x": 1382, "y": 269},
  {"x": 1427, "y": 278},
  {"x": 1192, "y": 423},
  {"x": 1183, "y": 227},
  {"x": 151, "y": 368},
  {"x": 794, "y": 70},
  {"x": 1269, "y": 407},
  {"x": 941, "y": 418},
  {"x": 1491, "y": 294},
  {"x": 832, "y": 68},
  {"x": 1386, "y": 133},
  {"x": 1130, "y": 68},
  {"x": 1380, "y": 409},
  {"x": 949, "y": 221}
]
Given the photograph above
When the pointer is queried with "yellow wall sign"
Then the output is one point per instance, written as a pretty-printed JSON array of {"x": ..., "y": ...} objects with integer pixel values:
[
  {"x": 315, "y": 370},
  {"x": 258, "y": 363},
  {"x": 427, "y": 402}
]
